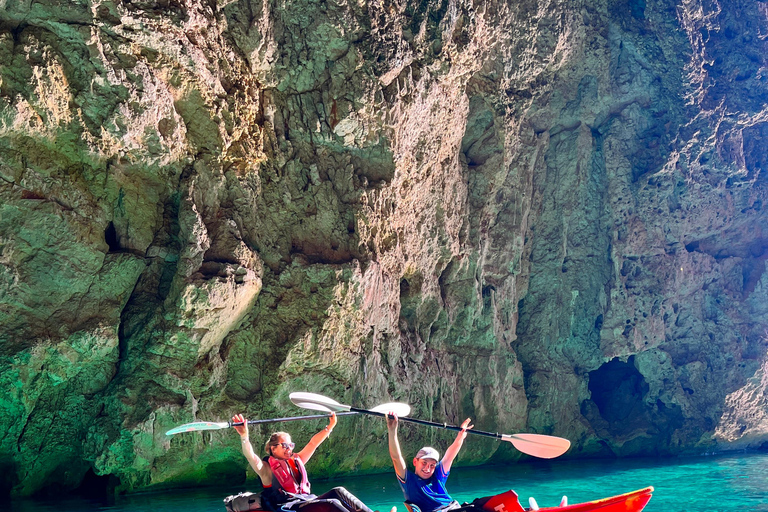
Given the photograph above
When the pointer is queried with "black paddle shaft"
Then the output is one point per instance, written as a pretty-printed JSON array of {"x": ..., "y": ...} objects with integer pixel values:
[
  {"x": 429, "y": 423},
  {"x": 292, "y": 418}
]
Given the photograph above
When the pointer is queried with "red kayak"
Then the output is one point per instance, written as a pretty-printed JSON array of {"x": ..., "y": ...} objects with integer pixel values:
[
  {"x": 630, "y": 502},
  {"x": 504, "y": 502}
]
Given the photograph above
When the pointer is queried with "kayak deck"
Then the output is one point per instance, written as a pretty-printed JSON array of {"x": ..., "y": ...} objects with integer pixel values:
[{"x": 634, "y": 501}]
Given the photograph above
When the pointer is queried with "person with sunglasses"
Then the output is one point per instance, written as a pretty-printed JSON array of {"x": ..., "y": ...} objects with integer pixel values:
[{"x": 284, "y": 476}]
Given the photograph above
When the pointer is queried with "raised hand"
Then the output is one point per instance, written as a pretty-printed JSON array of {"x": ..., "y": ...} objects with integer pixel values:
[
  {"x": 241, "y": 429},
  {"x": 464, "y": 427}
]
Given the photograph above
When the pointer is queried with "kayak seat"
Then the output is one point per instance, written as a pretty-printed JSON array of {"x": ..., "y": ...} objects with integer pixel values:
[
  {"x": 504, "y": 502},
  {"x": 411, "y": 507},
  {"x": 331, "y": 505},
  {"x": 535, "y": 506},
  {"x": 453, "y": 506}
]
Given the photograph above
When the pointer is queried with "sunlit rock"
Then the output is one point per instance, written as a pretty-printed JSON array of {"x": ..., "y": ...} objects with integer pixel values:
[{"x": 543, "y": 216}]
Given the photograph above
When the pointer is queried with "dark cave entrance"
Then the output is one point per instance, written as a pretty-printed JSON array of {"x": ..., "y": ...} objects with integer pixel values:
[
  {"x": 97, "y": 487},
  {"x": 618, "y": 390},
  {"x": 621, "y": 414},
  {"x": 112, "y": 239},
  {"x": 8, "y": 477}
]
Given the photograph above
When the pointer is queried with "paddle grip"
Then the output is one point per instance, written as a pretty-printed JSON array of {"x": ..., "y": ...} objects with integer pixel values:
[{"x": 429, "y": 423}]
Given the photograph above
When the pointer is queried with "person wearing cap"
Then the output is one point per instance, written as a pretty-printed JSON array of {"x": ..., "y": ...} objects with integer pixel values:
[{"x": 425, "y": 486}]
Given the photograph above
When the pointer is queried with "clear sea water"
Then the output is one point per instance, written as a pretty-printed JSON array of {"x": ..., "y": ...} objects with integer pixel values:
[{"x": 701, "y": 484}]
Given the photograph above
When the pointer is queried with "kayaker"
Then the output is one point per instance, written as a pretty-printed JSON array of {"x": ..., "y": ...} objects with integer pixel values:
[
  {"x": 283, "y": 473},
  {"x": 425, "y": 486}
]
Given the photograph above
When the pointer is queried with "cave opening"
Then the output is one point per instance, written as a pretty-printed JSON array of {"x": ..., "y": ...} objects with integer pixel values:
[
  {"x": 110, "y": 236},
  {"x": 100, "y": 487},
  {"x": 618, "y": 389},
  {"x": 405, "y": 287},
  {"x": 8, "y": 477}
]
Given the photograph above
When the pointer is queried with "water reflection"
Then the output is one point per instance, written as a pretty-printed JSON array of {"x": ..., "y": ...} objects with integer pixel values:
[{"x": 703, "y": 484}]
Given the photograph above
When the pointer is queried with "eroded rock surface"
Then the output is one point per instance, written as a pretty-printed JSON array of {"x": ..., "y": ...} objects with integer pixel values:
[{"x": 543, "y": 215}]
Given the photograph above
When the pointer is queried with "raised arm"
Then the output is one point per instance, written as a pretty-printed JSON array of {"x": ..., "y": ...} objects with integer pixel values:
[
  {"x": 261, "y": 469},
  {"x": 306, "y": 453},
  {"x": 453, "y": 450},
  {"x": 394, "y": 446}
]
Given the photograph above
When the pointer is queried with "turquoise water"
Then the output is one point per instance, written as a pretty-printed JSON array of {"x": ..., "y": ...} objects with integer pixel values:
[{"x": 717, "y": 484}]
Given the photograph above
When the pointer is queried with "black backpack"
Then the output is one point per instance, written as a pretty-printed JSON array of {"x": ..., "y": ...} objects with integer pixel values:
[{"x": 243, "y": 502}]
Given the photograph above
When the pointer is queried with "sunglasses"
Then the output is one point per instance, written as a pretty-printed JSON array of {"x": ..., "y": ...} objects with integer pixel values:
[{"x": 286, "y": 446}]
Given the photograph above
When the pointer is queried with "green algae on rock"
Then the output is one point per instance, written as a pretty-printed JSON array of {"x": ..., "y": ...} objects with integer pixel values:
[{"x": 545, "y": 216}]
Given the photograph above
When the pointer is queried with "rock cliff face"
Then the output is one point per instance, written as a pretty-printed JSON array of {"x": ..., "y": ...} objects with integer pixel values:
[{"x": 545, "y": 215}]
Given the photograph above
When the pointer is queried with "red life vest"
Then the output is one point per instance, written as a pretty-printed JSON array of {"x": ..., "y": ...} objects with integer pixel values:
[{"x": 284, "y": 475}]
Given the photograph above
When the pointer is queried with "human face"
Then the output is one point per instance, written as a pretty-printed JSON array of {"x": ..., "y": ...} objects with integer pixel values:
[
  {"x": 425, "y": 468},
  {"x": 284, "y": 448}
]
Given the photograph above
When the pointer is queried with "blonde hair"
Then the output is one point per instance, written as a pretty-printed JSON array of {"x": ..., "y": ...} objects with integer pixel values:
[{"x": 272, "y": 441}]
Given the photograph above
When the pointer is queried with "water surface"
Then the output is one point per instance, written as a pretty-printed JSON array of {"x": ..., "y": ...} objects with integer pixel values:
[{"x": 702, "y": 484}]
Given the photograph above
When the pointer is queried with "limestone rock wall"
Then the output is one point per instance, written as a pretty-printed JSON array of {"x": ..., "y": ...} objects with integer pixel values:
[{"x": 544, "y": 215}]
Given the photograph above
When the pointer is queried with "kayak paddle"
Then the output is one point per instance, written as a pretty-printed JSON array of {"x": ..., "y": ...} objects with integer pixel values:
[
  {"x": 199, "y": 426},
  {"x": 211, "y": 425},
  {"x": 536, "y": 445}
]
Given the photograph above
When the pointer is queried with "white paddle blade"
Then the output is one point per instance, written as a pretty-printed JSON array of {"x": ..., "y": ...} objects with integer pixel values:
[
  {"x": 537, "y": 445},
  {"x": 197, "y": 426},
  {"x": 317, "y": 402},
  {"x": 399, "y": 408}
]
